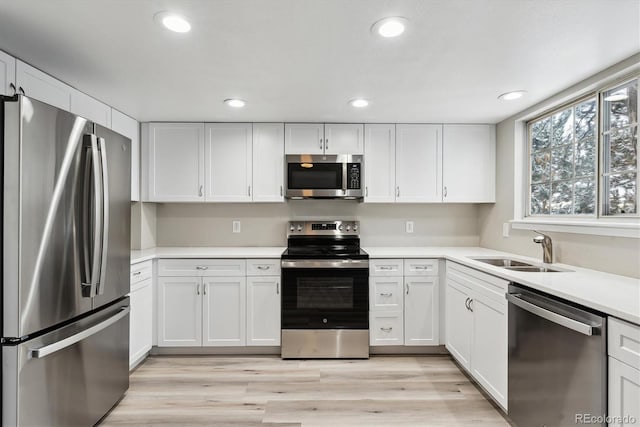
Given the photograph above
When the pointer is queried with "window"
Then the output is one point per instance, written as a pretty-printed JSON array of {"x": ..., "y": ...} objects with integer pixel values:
[{"x": 565, "y": 178}]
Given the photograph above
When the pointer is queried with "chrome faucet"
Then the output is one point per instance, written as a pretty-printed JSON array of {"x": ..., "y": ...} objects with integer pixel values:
[{"x": 547, "y": 247}]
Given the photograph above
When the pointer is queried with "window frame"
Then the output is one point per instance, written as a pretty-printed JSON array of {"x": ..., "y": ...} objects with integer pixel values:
[{"x": 616, "y": 226}]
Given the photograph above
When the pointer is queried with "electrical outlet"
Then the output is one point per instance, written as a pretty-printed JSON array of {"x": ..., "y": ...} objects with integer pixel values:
[
  {"x": 409, "y": 226},
  {"x": 506, "y": 229},
  {"x": 236, "y": 226}
]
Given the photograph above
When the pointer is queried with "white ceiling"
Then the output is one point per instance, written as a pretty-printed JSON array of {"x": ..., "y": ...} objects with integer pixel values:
[{"x": 302, "y": 60}]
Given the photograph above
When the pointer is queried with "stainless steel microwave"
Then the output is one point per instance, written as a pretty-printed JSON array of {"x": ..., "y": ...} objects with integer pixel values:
[{"x": 319, "y": 176}]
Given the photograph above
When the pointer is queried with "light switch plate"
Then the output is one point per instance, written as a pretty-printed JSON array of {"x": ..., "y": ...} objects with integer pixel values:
[
  {"x": 236, "y": 226},
  {"x": 409, "y": 226},
  {"x": 506, "y": 229}
]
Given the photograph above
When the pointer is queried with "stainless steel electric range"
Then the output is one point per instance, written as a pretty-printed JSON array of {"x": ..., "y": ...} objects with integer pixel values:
[{"x": 325, "y": 291}]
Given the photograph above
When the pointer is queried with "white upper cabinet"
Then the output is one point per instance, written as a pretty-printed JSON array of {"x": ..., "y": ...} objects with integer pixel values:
[
  {"x": 228, "y": 162},
  {"x": 469, "y": 163},
  {"x": 175, "y": 162},
  {"x": 318, "y": 138},
  {"x": 343, "y": 138},
  {"x": 38, "y": 85},
  {"x": 304, "y": 138},
  {"x": 7, "y": 74},
  {"x": 379, "y": 163},
  {"x": 129, "y": 127},
  {"x": 268, "y": 162},
  {"x": 90, "y": 108},
  {"x": 418, "y": 163}
]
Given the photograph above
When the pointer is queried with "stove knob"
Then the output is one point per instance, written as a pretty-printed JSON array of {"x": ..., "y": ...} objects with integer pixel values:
[
  {"x": 292, "y": 229},
  {"x": 299, "y": 227},
  {"x": 355, "y": 227},
  {"x": 348, "y": 228},
  {"x": 340, "y": 227}
]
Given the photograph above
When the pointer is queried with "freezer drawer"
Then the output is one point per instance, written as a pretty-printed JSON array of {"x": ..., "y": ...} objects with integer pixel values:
[{"x": 71, "y": 376}]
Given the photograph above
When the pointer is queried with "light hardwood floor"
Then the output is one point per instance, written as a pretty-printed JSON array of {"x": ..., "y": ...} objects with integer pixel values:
[{"x": 267, "y": 391}]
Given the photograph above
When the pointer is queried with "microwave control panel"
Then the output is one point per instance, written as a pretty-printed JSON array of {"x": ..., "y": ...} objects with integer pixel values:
[{"x": 353, "y": 176}]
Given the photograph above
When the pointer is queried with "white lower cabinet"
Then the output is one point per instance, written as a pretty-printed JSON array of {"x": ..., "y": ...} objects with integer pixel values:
[
  {"x": 213, "y": 303},
  {"x": 404, "y": 307},
  {"x": 141, "y": 314},
  {"x": 476, "y": 327},
  {"x": 624, "y": 373},
  {"x": 223, "y": 311},
  {"x": 263, "y": 310},
  {"x": 179, "y": 312}
]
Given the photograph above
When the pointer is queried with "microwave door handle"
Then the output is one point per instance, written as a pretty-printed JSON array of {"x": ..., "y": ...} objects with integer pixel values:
[{"x": 344, "y": 178}]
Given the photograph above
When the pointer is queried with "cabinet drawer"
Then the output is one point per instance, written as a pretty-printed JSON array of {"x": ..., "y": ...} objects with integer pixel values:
[
  {"x": 421, "y": 267},
  {"x": 485, "y": 284},
  {"x": 263, "y": 267},
  {"x": 624, "y": 342},
  {"x": 202, "y": 267},
  {"x": 141, "y": 271},
  {"x": 385, "y": 294},
  {"x": 386, "y": 328},
  {"x": 386, "y": 267}
]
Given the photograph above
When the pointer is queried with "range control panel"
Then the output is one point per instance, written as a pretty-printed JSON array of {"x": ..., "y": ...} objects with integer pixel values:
[{"x": 323, "y": 228}]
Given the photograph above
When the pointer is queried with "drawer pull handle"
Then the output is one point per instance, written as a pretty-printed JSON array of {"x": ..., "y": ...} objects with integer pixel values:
[
  {"x": 386, "y": 294},
  {"x": 389, "y": 329},
  {"x": 263, "y": 267},
  {"x": 420, "y": 267},
  {"x": 201, "y": 267},
  {"x": 386, "y": 267},
  {"x": 137, "y": 273}
]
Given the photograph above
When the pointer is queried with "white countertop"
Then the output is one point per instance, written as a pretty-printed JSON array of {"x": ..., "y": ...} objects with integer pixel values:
[{"x": 615, "y": 295}]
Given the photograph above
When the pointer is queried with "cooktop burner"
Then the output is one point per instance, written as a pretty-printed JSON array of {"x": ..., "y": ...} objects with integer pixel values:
[{"x": 324, "y": 240}]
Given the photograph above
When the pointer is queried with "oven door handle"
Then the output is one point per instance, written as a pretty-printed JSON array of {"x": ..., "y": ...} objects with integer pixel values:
[{"x": 325, "y": 263}]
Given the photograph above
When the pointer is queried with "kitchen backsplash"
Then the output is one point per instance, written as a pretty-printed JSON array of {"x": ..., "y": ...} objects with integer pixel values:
[{"x": 265, "y": 224}]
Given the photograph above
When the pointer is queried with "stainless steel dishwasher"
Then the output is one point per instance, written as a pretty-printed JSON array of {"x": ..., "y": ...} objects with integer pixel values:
[{"x": 557, "y": 361}]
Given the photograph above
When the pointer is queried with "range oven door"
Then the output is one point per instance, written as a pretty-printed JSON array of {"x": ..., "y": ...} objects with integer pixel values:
[{"x": 325, "y": 294}]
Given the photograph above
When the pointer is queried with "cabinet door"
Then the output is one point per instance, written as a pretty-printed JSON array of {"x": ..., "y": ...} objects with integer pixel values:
[
  {"x": 141, "y": 322},
  {"x": 224, "y": 311},
  {"x": 418, "y": 163},
  {"x": 469, "y": 163},
  {"x": 458, "y": 322},
  {"x": 386, "y": 294},
  {"x": 343, "y": 138},
  {"x": 179, "y": 312},
  {"x": 38, "y": 85},
  {"x": 176, "y": 162},
  {"x": 304, "y": 138},
  {"x": 379, "y": 163},
  {"x": 90, "y": 108},
  {"x": 228, "y": 162},
  {"x": 7, "y": 74},
  {"x": 263, "y": 310},
  {"x": 268, "y": 162},
  {"x": 128, "y": 127},
  {"x": 624, "y": 394},
  {"x": 421, "y": 311},
  {"x": 489, "y": 346}
]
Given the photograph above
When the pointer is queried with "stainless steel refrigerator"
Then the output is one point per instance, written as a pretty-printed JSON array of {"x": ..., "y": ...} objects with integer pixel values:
[{"x": 65, "y": 266}]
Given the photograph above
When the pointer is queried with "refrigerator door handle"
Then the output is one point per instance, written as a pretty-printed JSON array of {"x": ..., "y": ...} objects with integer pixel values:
[
  {"x": 91, "y": 283},
  {"x": 105, "y": 216},
  {"x": 39, "y": 353}
]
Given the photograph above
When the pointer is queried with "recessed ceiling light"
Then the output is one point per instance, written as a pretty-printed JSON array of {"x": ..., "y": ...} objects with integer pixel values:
[
  {"x": 620, "y": 95},
  {"x": 359, "y": 103},
  {"x": 173, "y": 22},
  {"x": 235, "y": 102},
  {"x": 510, "y": 96},
  {"x": 392, "y": 26}
]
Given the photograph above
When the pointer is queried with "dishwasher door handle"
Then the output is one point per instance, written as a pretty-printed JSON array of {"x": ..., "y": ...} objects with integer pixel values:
[{"x": 567, "y": 322}]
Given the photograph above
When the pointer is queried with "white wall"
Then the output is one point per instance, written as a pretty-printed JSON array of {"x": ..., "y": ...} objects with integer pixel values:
[
  {"x": 209, "y": 224},
  {"x": 611, "y": 254},
  {"x": 143, "y": 225}
]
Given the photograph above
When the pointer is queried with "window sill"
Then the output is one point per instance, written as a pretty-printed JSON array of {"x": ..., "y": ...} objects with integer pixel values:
[{"x": 629, "y": 229}]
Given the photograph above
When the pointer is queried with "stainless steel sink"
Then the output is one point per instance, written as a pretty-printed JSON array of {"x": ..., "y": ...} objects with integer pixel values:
[
  {"x": 503, "y": 262},
  {"x": 515, "y": 265}
]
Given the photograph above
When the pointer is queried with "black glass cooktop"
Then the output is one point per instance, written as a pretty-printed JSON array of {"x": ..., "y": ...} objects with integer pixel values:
[{"x": 324, "y": 248}]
